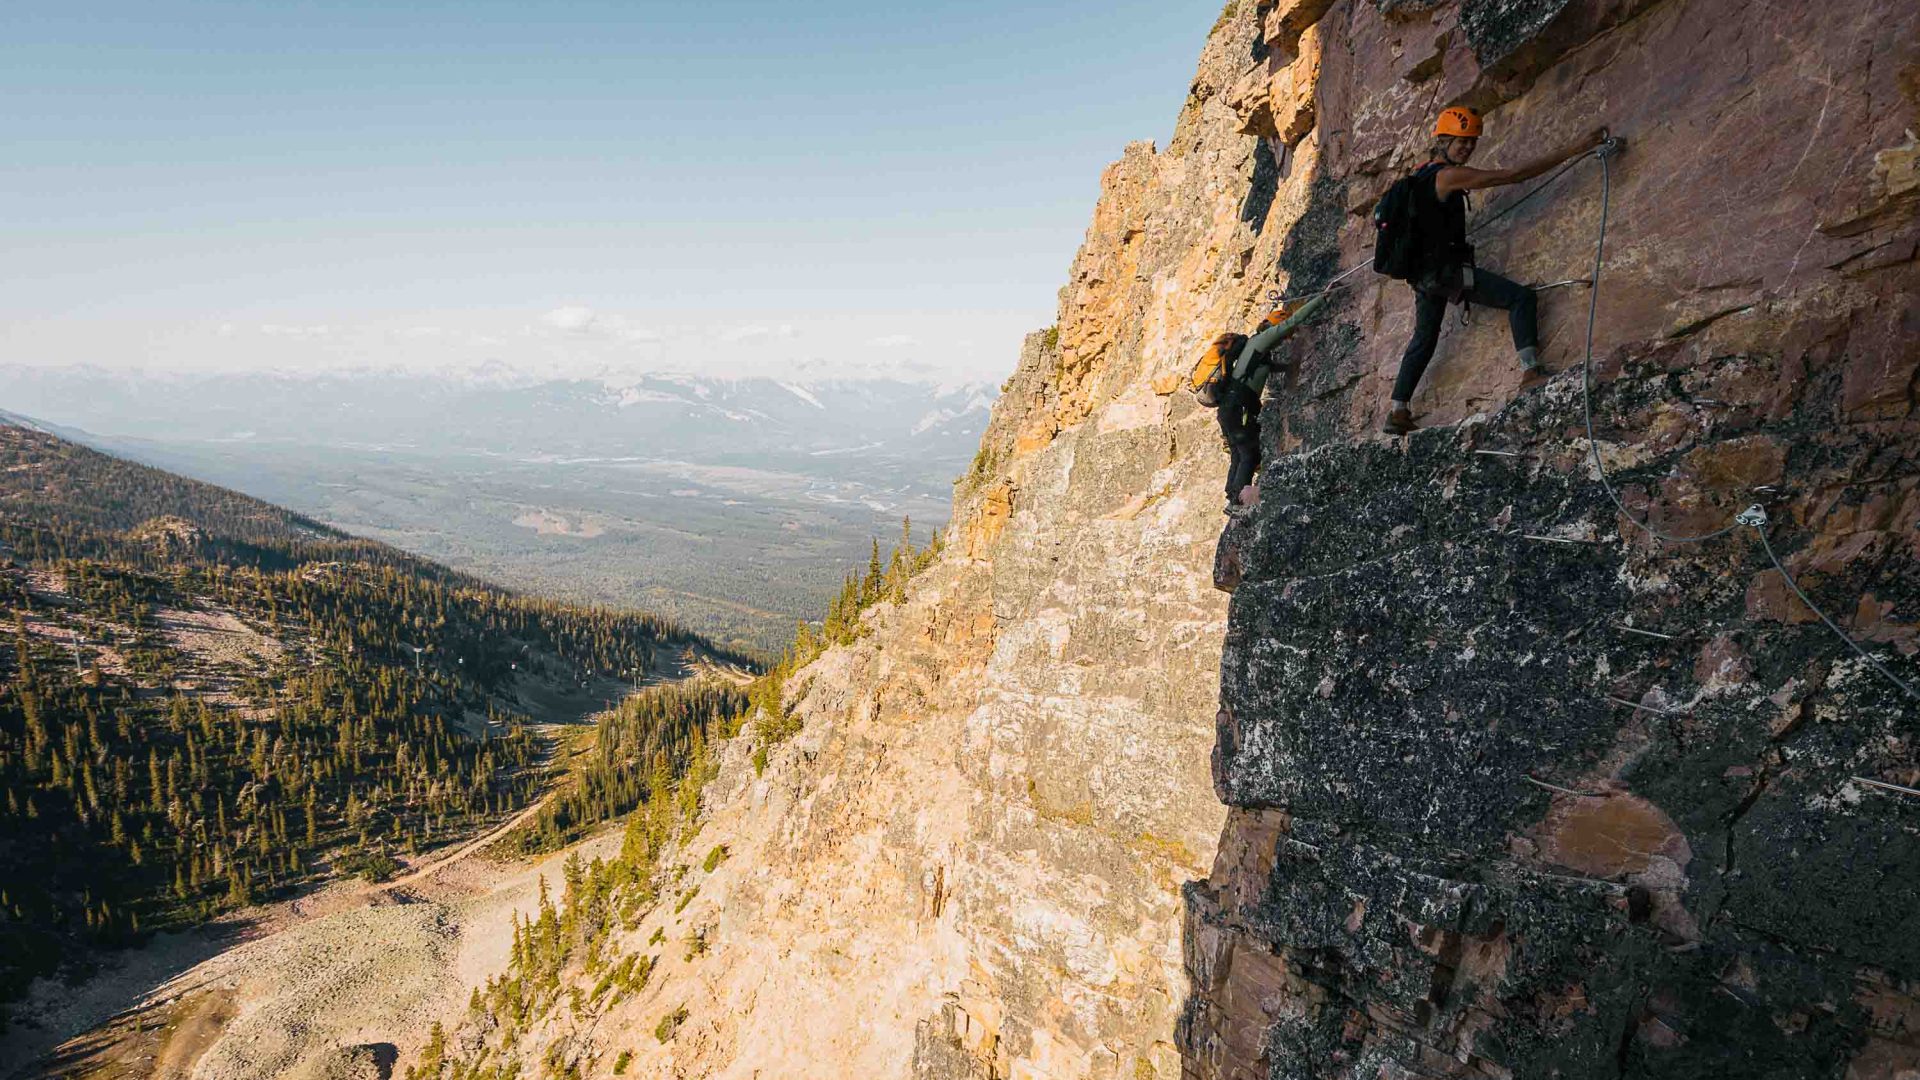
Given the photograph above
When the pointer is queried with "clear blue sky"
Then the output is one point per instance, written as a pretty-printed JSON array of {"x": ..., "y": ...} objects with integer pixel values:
[{"x": 296, "y": 184}]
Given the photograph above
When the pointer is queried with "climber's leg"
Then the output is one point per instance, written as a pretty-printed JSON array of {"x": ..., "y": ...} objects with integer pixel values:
[
  {"x": 1240, "y": 425},
  {"x": 1429, "y": 312},
  {"x": 1522, "y": 307}
]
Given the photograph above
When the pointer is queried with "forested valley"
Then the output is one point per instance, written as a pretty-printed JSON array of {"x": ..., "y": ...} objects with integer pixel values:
[{"x": 206, "y": 700}]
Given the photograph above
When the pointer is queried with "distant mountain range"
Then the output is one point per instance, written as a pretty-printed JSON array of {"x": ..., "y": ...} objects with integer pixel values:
[
  {"x": 928, "y": 429},
  {"x": 732, "y": 504}
]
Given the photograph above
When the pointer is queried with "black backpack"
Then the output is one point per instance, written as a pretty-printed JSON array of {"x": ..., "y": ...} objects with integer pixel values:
[{"x": 1398, "y": 240}]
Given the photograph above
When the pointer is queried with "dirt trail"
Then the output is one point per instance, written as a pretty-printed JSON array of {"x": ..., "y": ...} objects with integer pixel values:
[
  {"x": 198, "y": 1027},
  {"x": 472, "y": 847}
]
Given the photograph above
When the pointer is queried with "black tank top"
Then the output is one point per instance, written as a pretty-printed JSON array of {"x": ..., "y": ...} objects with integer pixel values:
[{"x": 1443, "y": 222}]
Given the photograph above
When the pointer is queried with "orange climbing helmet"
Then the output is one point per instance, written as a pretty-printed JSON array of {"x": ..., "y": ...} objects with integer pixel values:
[{"x": 1458, "y": 121}]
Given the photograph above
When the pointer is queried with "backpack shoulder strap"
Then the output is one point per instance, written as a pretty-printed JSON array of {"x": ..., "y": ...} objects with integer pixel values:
[{"x": 1241, "y": 362}]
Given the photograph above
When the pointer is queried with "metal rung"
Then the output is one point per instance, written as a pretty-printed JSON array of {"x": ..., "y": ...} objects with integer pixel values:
[
  {"x": 1889, "y": 787},
  {"x": 1644, "y": 708},
  {"x": 1562, "y": 790},
  {"x": 1637, "y": 630}
]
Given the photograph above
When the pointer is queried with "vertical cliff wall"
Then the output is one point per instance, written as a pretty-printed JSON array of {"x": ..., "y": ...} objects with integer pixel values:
[
  {"x": 969, "y": 862},
  {"x": 1518, "y": 791},
  {"x": 1473, "y": 823}
]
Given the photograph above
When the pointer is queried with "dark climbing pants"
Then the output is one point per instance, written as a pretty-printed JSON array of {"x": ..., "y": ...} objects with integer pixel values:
[
  {"x": 1430, "y": 312},
  {"x": 1240, "y": 424}
]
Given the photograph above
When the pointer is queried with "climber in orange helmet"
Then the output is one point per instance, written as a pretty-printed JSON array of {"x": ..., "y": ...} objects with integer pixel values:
[{"x": 1448, "y": 274}]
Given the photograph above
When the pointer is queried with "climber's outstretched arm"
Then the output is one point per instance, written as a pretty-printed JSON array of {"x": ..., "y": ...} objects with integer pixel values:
[
  {"x": 1461, "y": 178},
  {"x": 1281, "y": 331},
  {"x": 1263, "y": 343}
]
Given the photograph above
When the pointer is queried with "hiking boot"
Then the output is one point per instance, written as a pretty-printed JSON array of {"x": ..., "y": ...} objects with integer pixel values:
[
  {"x": 1530, "y": 362},
  {"x": 1399, "y": 422}
]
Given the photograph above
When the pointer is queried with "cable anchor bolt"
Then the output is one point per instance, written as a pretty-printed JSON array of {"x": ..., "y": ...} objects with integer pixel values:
[{"x": 1754, "y": 516}]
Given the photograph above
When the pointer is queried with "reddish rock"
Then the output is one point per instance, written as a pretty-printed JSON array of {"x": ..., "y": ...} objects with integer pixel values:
[
  {"x": 1226, "y": 740},
  {"x": 1722, "y": 664},
  {"x": 1871, "y": 623},
  {"x": 1892, "y": 1050},
  {"x": 1769, "y": 599},
  {"x": 1878, "y": 383},
  {"x": 1737, "y": 464},
  {"x": 1611, "y": 837},
  {"x": 1229, "y": 555}
]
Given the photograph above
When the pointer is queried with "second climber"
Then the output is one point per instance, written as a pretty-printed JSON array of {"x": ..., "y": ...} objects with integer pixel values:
[{"x": 1232, "y": 377}]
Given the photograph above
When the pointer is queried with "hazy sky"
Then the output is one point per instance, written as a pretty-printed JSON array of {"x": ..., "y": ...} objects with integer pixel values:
[{"x": 284, "y": 184}]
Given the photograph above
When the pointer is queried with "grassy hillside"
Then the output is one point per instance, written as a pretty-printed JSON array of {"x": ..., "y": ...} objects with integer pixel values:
[{"x": 205, "y": 699}]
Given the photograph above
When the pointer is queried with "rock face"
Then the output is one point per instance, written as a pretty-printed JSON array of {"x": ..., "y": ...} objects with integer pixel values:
[
  {"x": 1517, "y": 790},
  {"x": 1511, "y": 790},
  {"x": 1487, "y": 823}
]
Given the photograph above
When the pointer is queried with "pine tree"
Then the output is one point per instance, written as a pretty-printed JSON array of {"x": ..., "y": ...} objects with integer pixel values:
[{"x": 870, "y": 585}]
